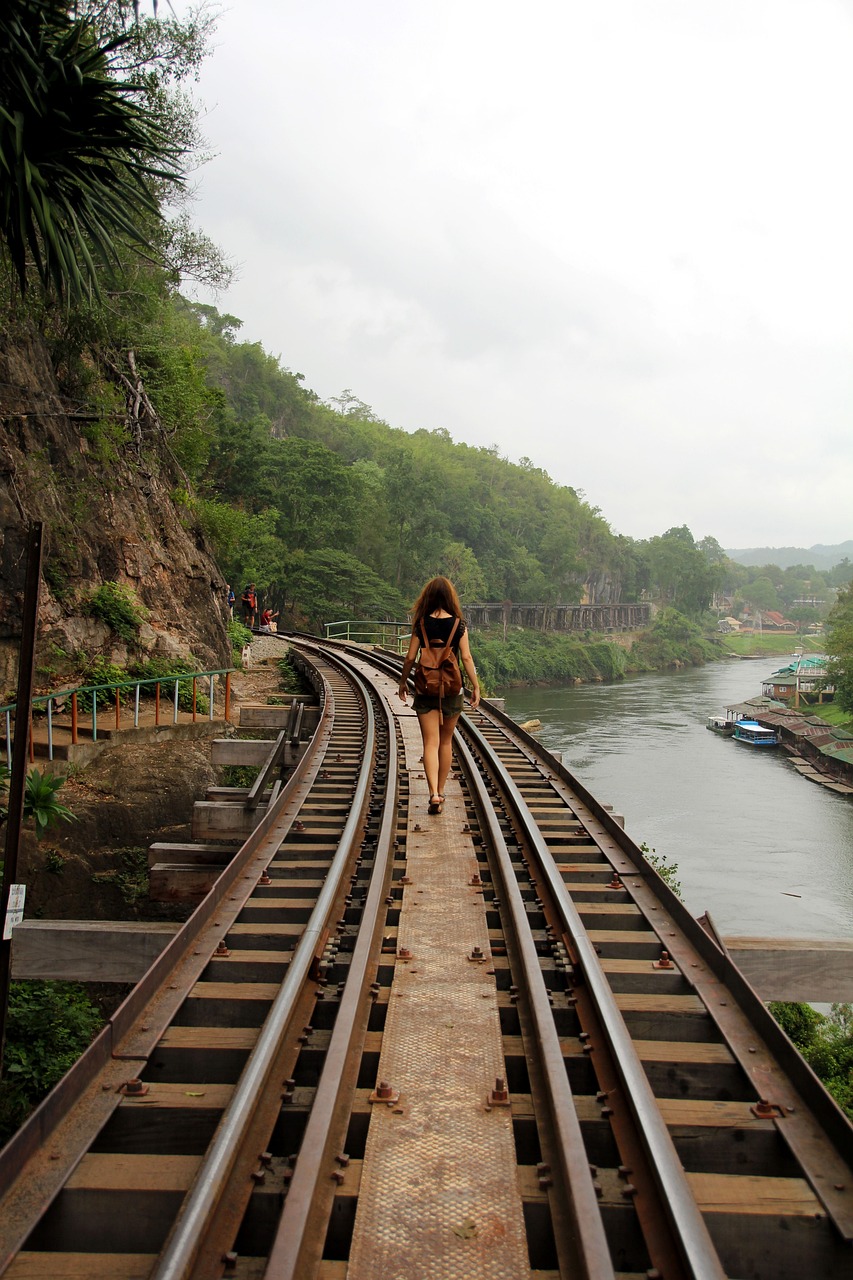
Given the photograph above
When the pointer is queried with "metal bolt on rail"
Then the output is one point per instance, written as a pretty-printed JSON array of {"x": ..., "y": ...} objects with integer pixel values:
[{"x": 499, "y": 1096}]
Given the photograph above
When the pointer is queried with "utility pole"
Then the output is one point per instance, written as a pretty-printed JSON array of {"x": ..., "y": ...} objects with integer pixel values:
[{"x": 18, "y": 780}]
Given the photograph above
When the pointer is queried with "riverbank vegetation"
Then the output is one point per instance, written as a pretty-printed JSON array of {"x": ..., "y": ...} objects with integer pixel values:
[
  {"x": 531, "y": 657},
  {"x": 826, "y": 1043},
  {"x": 518, "y": 656},
  {"x": 673, "y": 640}
]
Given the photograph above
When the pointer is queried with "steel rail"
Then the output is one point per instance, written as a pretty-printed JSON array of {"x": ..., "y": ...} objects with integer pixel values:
[
  {"x": 196, "y": 1218},
  {"x": 295, "y": 1250},
  {"x": 134, "y": 1029},
  {"x": 591, "y": 1260},
  {"x": 825, "y": 1157},
  {"x": 695, "y": 1246}
]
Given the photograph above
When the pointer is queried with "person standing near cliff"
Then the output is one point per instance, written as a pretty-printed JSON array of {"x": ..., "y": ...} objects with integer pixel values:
[{"x": 249, "y": 604}]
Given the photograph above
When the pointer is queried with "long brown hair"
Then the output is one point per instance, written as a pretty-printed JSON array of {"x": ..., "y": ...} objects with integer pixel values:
[{"x": 439, "y": 593}]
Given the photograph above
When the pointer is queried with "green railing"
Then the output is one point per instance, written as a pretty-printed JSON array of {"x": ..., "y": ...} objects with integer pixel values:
[
  {"x": 389, "y": 635},
  {"x": 66, "y": 707}
]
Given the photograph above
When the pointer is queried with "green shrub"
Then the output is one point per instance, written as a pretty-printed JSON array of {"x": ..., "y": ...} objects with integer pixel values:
[
  {"x": 292, "y": 679},
  {"x": 41, "y": 804},
  {"x": 826, "y": 1043},
  {"x": 239, "y": 775},
  {"x": 163, "y": 669},
  {"x": 116, "y": 604},
  {"x": 49, "y": 1026},
  {"x": 101, "y": 671},
  {"x": 673, "y": 640},
  {"x": 668, "y": 871},
  {"x": 238, "y": 636},
  {"x": 129, "y": 875}
]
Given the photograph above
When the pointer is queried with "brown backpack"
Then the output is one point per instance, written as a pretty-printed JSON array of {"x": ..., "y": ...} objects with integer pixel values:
[{"x": 437, "y": 674}]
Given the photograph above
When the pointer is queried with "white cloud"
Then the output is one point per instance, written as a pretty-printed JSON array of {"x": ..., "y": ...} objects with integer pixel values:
[{"x": 613, "y": 238}]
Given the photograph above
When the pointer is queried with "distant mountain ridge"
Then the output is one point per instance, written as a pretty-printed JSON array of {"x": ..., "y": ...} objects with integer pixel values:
[{"x": 820, "y": 556}]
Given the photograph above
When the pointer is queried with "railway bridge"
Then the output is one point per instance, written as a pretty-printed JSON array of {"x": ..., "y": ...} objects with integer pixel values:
[{"x": 393, "y": 1046}]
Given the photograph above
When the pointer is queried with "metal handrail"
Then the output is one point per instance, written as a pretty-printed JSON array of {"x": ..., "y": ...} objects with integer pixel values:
[
  {"x": 367, "y": 631},
  {"x": 52, "y": 702}
]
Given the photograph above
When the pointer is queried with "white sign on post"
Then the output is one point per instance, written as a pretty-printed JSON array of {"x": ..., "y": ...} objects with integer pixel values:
[{"x": 15, "y": 910}]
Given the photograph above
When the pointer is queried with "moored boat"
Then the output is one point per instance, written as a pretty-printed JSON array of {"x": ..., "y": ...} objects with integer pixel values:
[
  {"x": 755, "y": 734},
  {"x": 720, "y": 724}
]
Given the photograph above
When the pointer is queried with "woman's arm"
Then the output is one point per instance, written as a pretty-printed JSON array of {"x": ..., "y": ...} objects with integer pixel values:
[
  {"x": 408, "y": 663},
  {"x": 471, "y": 670}
]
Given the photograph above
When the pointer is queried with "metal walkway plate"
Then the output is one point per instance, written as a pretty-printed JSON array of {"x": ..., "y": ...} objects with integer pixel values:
[{"x": 439, "y": 1194}]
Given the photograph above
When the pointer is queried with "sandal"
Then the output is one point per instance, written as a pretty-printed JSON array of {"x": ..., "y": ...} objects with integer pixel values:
[{"x": 436, "y": 805}]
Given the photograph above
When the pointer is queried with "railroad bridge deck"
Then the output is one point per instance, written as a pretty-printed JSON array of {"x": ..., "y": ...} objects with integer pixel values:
[{"x": 489, "y": 1043}]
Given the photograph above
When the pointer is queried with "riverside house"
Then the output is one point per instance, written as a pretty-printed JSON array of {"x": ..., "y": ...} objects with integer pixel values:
[{"x": 804, "y": 674}]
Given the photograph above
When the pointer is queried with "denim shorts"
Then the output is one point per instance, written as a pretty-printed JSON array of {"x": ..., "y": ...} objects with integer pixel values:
[{"x": 450, "y": 706}]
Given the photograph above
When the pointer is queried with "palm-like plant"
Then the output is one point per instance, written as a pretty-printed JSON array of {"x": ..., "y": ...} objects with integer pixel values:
[{"x": 80, "y": 157}]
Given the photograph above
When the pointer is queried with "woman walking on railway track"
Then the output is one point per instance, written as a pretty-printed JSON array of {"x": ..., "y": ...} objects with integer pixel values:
[{"x": 438, "y": 630}]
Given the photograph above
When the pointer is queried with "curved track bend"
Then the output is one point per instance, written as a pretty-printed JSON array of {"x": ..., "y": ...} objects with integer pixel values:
[{"x": 280, "y": 1096}]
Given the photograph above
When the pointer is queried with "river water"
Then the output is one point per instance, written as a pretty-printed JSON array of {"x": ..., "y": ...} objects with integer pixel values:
[{"x": 762, "y": 849}]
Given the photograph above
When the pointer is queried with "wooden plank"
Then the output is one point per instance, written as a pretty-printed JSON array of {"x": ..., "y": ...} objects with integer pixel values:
[
  {"x": 256, "y": 716},
  {"x": 81, "y": 1266},
  {"x": 228, "y": 820},
  {"x": 732, "y": 1193},
  {"x": 242, "y": 752},
  {"x": 206, "y": 853},
  {"x": 117, "y": 1171},
  {"x": 169, "y": 882},
  {"x": 88, "y": 950},
  {"x": 689, "y": 1051},
  {"x": 711, "y": 1113},
  {"x": 234, "y": 991},
  {"x": 816, "y": 970},
  {"x": 658, "y": 1002},
  {"x": 177, "y": 1096},
  {"x": 212, "y": 1038}
]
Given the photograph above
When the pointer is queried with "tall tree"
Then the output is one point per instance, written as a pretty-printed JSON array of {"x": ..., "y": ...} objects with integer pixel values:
[
  {"x": 839, "y": 628},
  {"x": 79, "y": 154}
]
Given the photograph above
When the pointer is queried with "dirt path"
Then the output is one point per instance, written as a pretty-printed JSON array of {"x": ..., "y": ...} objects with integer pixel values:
[{"x": 261, "y": 679}]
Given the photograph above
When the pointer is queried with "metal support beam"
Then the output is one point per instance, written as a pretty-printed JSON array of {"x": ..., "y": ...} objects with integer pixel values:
[{"x": 18, "y": 780}]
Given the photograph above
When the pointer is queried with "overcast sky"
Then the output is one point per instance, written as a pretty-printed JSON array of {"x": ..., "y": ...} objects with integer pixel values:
[{"x": 612, "y": 236}]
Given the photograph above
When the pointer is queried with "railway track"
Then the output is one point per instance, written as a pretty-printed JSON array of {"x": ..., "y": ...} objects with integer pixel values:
[{"x": 492, "y": 1043}]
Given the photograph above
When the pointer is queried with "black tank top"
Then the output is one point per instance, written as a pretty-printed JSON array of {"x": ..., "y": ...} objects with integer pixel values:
[{"x": 438, "y": 630}]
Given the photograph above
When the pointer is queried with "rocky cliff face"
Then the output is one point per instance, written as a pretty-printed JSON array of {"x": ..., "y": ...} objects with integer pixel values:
[{"x": 110, "y": 516}]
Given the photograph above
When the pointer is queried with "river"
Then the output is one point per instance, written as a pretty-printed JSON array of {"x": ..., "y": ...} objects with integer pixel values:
[{"x": 762, "y": 849}]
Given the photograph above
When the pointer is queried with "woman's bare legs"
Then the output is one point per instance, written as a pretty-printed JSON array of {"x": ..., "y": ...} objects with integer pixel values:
[
  {"x": 430, "y": 732},
  {"x": 445, "y": 750}
]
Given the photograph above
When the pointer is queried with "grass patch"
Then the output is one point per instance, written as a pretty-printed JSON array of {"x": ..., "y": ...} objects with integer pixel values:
[
  {"x": 772, "y": 643},
  {"x": 831, "y": 712},
  {"x": 292, "y": 679},
  {"x": 239, "y": 775},
  {"x": 129, "y": 875}
]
